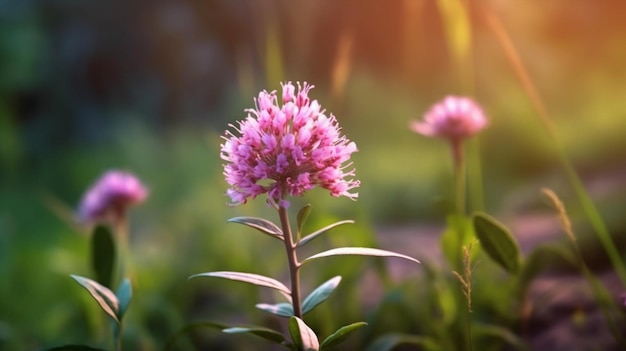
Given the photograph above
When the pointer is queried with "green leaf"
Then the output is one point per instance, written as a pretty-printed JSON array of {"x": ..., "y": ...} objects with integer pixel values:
[
  {"x": 282, "y": 309},
  {"x": 124, "y": 295},
  {"x": 250, "y": 278},
  {"x": 303, "y": 214},
  {"x": 103, "y": 255},
  {"x": 359, "y": 251},
  {"x": 265, "y": 333},
  {"x": 390, "y": 341},
  {"x": 320, "y": 294},
  {"x": 317, "y": 233},
  {"x": 341, "y": 335},
  {"x": 103, "y": 296},
  {"x": 263, "y": 225},
  {"x": 487, "y": 333},
  {"x": 302, "y": 335},
  {"x": 497, "y": 242},
  {"x": 74, "y": 348}
]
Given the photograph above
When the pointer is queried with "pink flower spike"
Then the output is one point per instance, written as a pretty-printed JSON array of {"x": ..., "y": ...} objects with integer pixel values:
[
  {"x": 285, "y": 150},
  {"x": 454, "y": 118},
  {"x": 110, "y": 196}
]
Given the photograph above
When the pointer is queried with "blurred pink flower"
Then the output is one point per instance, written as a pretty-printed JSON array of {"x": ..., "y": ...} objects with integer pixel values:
[
  {"x": 454, "y": 118},
  {"x": 110, "y": 196},
  {"x": 287, "y": 149}
]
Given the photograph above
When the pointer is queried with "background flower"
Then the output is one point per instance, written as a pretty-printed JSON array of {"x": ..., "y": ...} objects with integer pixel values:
[
  {"x": 454, "y": 118},
  {"x": 295, "y": 146},
  {"x": 110, "y": 196}
]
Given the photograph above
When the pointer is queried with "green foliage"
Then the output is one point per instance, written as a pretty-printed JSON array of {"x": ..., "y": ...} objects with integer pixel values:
[
  {"x": 491, "y": 332},
  {"x": 103, "y": 255},
  {"x": 250, "y": 278},
  {"x": 265, "y": 333},
  {"x": 282, "y": 309},
  {"x": 303, "y": 214},
  {"x": 320, "y": 294},
  {"x": 358, "y": 251},
  {"x": 105, "y": 298},
  {"x": 341, "y": 335},
  {"x": 459, "y": 233},
  {"x": 319, "y": 232},
  {"x": 124, "y": 295},
  {"x": 263, "y": 225},
  {"x": 74, "y": 348},
  {"x": 391, "y": 341},
  {"x": 546, "y": 258},
  {"x": 302, "y": 335},
  {"x": 498, "y": 242}
]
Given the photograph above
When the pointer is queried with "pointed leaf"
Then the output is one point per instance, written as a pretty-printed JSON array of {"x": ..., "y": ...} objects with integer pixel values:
[
  {"x": 360, "y": 251},
  {"x": 103, "y": 255},
  {"x": 263, "y": 225},
  {"x": 390, "y": 341},
  {"x": 74, "y": 348},
  {"x": 303, "y": 214},
  {"x": 302, "y": 335},
  {"x": 320, "y": 294},
  {"x": 317, "y": 233},
  {"x": 124, "y": 295},
  {"x": 265, "y": 333},
  {"x": 341, "y": 335},
  {"x": 282, "y": 309},
  {"x": 103, "y": 296},
  {"x": 250, "y": 278},
  {"x": 497, "y": 242}
]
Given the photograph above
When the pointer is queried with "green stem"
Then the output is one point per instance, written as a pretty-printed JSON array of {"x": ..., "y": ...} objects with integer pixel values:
[
  {"x": 118, "y": 341},
  {"x": 294, "y": 265},
  {"x": 459, "y": 176},
  {"x": 468, "y": 326},
  {"x": 474, "y": 176},
  {"x": 124, "y": 266}
]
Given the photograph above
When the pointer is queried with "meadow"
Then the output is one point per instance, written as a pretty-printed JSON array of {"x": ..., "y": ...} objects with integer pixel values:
[{"x": 151, "y": 89}]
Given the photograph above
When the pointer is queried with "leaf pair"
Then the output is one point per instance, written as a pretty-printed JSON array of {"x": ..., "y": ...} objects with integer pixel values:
[
  {"x": 317, "y": 296},
  {"x": 305, "y": 339},
  {"x": 271, "y": 229}
]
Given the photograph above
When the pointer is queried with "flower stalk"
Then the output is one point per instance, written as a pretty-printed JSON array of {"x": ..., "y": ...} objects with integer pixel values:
[
  {"x": 293, "y": 264},
  {"x": 459, "y": 176}
]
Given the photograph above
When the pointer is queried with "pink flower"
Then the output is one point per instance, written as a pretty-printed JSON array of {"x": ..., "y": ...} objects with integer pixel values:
[
  {"x": 454, "y": 118},
  {"x": 110, "y": 196},
  {"x": 287, "y": 149}
]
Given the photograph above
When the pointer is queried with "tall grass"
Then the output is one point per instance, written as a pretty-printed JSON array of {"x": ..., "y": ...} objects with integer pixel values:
[{"x": 590, "y": 210}]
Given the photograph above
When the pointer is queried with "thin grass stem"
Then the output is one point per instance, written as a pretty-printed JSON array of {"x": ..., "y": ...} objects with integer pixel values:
[{"x": 589, "y": 207}]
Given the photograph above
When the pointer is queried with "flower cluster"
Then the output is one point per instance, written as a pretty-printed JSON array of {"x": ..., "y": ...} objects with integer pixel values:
[
  {"x": 110, "y": 196},
  {"x": 287, "y": 149},
  {"x": 454, "y": 118}
]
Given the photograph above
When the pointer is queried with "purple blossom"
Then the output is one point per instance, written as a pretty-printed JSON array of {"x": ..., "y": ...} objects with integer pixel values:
[
  {"x": 110, "y": 196},
  {"x": 454, "y": 118},
  {"x": 287, "y": 149}
]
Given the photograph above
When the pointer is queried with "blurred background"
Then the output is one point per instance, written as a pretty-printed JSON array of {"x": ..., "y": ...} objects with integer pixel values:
[{"x": 149, "y": 87}]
